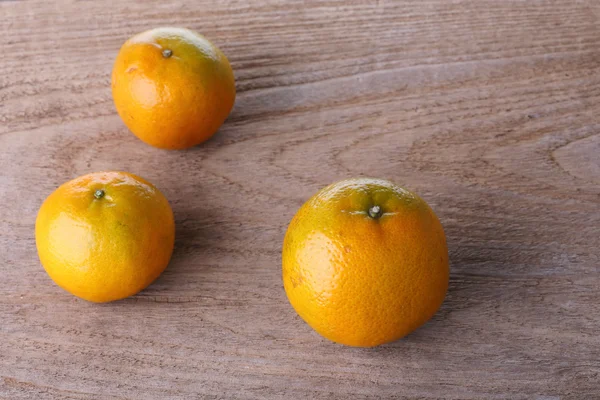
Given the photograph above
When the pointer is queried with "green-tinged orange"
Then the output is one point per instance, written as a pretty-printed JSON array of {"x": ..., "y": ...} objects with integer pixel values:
[
  {"x": 105, "y": 236},
  {"x": 172, "y": 87},
  {"x": 365, "y": 262}
]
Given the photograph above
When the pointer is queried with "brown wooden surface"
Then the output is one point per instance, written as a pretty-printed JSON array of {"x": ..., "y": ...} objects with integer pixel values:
[{"x": 489, "y": 109}]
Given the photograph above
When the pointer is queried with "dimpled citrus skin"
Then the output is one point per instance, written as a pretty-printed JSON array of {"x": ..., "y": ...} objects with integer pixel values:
[
  {"x": 364, "y": 281},
  {"x": 172, "y": 87},
  {"x": 106, "y": 248}
]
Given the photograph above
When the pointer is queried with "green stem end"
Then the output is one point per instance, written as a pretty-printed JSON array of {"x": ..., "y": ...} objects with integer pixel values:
[
  {"x": 375, "y": 212},
  {"x": 99, "y": 194}
]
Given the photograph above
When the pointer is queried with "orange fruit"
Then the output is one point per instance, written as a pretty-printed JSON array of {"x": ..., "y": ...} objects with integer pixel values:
[
  {"x": 172, "y": 87},
  {"x": 105, "y": 236},
  {"x": 365, "y": 262}
]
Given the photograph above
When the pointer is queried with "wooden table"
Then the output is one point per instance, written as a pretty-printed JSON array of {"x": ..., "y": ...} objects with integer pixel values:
[{"x": 489, "y": 109}]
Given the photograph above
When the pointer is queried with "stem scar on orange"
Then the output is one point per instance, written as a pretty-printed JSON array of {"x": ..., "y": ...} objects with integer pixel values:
[
  {"x": 172, "y": 87},
  {"x": 365, "y": 262},
  {"x": 105, "y": 236}
]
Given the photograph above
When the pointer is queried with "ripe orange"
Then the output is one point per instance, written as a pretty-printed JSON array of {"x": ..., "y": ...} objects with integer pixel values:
[
  {"x": 172, "y": 87},
  {"x": 365, "y": 262},
  {"x": 105, "y": 236}
]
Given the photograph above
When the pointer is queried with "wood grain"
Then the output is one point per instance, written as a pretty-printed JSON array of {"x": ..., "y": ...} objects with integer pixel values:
[{"x": 488, "y": 109}]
